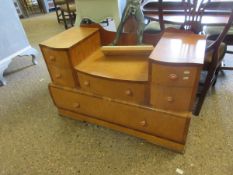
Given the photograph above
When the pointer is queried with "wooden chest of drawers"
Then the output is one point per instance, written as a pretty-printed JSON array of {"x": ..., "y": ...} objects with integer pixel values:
[{"x": 124, "y": 88}]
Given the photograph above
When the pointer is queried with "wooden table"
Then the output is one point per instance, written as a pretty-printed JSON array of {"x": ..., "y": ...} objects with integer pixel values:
[
  {"x": 215, "y": 20},
  {"x": 220, "y": 4},
  {"x": 215, "y": 12}
]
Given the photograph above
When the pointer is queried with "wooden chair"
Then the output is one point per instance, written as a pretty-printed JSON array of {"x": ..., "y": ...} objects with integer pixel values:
[
  {"x": 228, "y": 40},
  {"x": 215, "y": 52},
  {"x": 160, "y": 7},
  {"x": 57, "y": 4},
  {"x": 213, "y": 31},
  {"x": 68, "y": 12}
]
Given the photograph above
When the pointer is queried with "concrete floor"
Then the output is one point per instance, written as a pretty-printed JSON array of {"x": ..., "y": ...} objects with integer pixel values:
[{"x": 35, "y": 140}]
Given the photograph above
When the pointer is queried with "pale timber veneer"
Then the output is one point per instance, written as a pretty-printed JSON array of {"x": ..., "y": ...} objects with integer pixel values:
[{"x": 139, "y": 90}]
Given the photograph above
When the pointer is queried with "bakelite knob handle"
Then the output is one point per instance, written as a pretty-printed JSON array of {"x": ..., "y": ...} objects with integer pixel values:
[
  {"x": 143, "y": 123},
  {"x": 128, "y": 92},
  {"x": 58, "y": 76},
  {"x": 76, "y": 105},
  {"x": 170, "y": 99},
  {"x": 52, "y": 58},
  {"x": 86, "y": 83},
  {"x": 173, "y": 76}
]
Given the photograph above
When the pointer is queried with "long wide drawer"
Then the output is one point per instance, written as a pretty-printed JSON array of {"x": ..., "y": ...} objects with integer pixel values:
[{"x": 166, "y": 125}]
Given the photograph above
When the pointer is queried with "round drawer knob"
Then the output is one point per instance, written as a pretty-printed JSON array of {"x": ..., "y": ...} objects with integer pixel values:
[
  {"x": 170, "y": 99},
  {"x": 52, "y": 58},
  {"x": 58, "y": 76},
  {"x": 129, "y": 92},
  {"x": 86, "y": 83},
  {"x": 143, "y": 123},
  {"x": 173, "y": 77},
  {"x": 76, "y": 105}
]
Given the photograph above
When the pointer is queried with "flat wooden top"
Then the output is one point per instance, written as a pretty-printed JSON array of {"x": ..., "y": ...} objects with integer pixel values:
[
  {"x": 69, "y": 37},
  {"x": 118, "y": 67},
  {"x": 180, "y": 48},
  {"x": 219, "y": 20}
]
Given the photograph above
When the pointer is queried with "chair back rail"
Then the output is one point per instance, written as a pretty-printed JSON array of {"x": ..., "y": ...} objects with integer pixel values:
[{"x": 163, "y": 6}]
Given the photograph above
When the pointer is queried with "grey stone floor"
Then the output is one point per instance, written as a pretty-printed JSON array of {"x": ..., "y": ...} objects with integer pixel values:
[{"x": 35, "y": 140}]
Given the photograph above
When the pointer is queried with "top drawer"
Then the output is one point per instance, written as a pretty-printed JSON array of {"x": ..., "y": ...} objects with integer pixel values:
[
  {"x": 174, "y": 75},
  {"x": 58, "y": 58}
]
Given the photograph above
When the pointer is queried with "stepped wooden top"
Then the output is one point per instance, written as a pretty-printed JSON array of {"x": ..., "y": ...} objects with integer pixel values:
[
  {"x": 118, "y": 63},
  {"x": 180, "y": 48},
  {"x": 69, "y": 38}
]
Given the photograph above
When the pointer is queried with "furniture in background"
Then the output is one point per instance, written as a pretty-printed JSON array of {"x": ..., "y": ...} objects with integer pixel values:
[
  {"x": 152, "y": 89},
  {"x": 48, "y": 5},
  {"x": 68, "y": 13},
  {"x": 215, "y": 52},
  {"x": 193, "y": 20},
  {"x": 13, "y": 40},
  {"x": 159, "y": 9},
  {"x": 57, "y": 4},
  {"x": 99, "y": 10},
  {"x": 222, "y": 7},
  {"x": 31, "y": 7},
  {"x": 18, "y": 8}
]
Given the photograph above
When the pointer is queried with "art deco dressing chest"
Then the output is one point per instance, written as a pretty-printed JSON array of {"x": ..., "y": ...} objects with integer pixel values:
[{"x": 143, "y": 91}]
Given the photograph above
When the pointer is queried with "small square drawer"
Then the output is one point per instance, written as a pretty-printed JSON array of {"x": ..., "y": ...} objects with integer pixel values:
[
  {"x": 173, "y": 75},
  {"x": 58, "y": 58},
  {"x": 171, "y": 98},
  {"x": 116, "y": 89},
  {"x": 62, "y": 76}
]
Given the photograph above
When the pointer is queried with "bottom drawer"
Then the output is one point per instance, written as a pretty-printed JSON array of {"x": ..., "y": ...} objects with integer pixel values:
[{"x": 169, "y": 126}]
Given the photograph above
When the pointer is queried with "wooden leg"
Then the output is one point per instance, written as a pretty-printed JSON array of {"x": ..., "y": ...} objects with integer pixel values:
[
  {"x": 70, "y": 17},
  {"x": 204, "y": 91},
  {"x": 73, "y": 19},
  {"x": 200, "y": 101},
  {"x": 56, "y": 9},
  {"x": 216, "y": 75},
  {"x": 64, "y": 19}
]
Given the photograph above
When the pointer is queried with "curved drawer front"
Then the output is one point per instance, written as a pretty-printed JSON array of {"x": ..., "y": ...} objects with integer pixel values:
[
  {"x": 173, "y": 75},
  {"x": 171, "y": 98},
  {"x": 56, "y": 58},
  {"x": 122, "y": 90},
  {"x": 146, "y": 120},
  {"x": 62, "y": 76}
]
